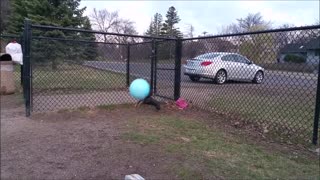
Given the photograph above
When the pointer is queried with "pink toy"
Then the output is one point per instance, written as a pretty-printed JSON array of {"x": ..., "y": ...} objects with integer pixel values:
[{"x": 181, "y": 103}]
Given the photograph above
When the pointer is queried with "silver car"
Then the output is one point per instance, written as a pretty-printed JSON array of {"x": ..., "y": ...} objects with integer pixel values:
[{"x": 222, "y": 66}]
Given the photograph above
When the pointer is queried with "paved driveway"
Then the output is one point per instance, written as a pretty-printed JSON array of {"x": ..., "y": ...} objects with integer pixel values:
[
  {"x": 283, "y": 86},
  {"x": 272, "y": 78}
]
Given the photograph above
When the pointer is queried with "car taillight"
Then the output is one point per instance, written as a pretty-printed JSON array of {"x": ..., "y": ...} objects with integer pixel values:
[{"x": 206, "y": 63}]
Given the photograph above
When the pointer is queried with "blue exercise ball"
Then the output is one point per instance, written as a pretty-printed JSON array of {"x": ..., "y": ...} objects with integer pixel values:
[{"x": 139, "y": 89}]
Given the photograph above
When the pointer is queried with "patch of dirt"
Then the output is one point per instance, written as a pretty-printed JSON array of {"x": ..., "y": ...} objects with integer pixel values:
[
  {"x": 79, "y": 145},
  {"x": 87, "y": 143}
]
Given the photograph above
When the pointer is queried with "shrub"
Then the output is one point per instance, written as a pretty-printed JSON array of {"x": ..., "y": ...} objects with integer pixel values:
[
  {"x": 292, "y": 67},
  {"x": 294, "y": 58}
]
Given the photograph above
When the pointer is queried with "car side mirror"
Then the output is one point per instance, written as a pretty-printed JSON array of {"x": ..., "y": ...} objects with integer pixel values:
[{"x": 249, "y": 63}]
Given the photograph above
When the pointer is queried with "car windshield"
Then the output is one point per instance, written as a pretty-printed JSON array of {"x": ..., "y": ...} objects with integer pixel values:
[{"x": 207, "y": 56}]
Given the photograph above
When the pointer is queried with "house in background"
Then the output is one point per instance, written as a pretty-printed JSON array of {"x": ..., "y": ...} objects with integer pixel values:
[{"x": 310, "y": 51}]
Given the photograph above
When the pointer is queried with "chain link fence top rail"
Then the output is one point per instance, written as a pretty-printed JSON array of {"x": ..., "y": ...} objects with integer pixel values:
[{"x": 269, "y": 79}]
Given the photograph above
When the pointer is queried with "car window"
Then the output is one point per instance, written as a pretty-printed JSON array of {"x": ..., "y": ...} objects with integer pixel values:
[
  {"x": 229, "y": 57},
  {"x": 245, "y": 60},
  {"x": 241, "y": 59},
  {"x": 207, "y": 56}
]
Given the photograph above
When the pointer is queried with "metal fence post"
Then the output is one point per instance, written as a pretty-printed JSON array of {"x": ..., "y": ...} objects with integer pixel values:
[
  {"x": 26, "y": 66},
  {"x": 152, "y": 67},
  {"x": 155, "y": 67},
  {"x": 177, "y": 72},
  {"x": 317, "y": 112},
  {"x": 23, "y": 62},
  {"x": 21, "y": 66},
  {"x": 128, "y": 66}
]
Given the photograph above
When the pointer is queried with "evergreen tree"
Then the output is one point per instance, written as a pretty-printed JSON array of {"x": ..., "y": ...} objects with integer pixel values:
[
  {"x": 90, "y": 52},
  {"x": 5, "y": 10},
  {"x": 19, "y": 11},
  {"x": 64, "y": 13},
  {"x": 150, "y": 30},
  {"x": 155, "y": 25},
  {"x": 168, "y": 27}
]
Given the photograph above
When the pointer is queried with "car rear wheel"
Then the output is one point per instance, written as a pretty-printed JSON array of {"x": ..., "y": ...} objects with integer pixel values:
[
  {"x": 194, "y": 78},
  {"x": 258, "y": 78},
  {"x": 221, "y": 77}
]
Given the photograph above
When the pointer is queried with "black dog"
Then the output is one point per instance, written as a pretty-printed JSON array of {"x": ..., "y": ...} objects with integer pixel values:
[{"x": 151, "y": 101}]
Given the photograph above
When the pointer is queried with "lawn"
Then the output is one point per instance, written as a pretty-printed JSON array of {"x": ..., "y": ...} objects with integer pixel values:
[
  {"x": 109, "y": 142},
  {"x": 285, "y": 114},
  {"x": 212, "y": 153},
  {"x": 70, "y": 78}
]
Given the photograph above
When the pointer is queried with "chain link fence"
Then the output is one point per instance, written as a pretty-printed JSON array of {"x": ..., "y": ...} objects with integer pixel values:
[
  {"x": 74, "y": 68},
  {"x": 267, "y": 79}
]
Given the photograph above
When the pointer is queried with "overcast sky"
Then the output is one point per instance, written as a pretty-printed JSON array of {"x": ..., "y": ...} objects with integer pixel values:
[{"x": 209, "y": 16}]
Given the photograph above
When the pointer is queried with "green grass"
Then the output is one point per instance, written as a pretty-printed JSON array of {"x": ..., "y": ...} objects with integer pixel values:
[
  {"x": 295, "y": 116},
  {"x": 141, "y": 138},
  {"x": 212, "y": 153},
  {"x": 76, "y": 77},
  {"x": 187, "y": 173},
  {"x": 72, "y": 78}
]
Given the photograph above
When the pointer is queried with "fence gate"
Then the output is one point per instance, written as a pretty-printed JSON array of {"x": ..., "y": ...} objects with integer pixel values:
[
  {"x": 166, "y": 68},
  {"x": 70, "y": 68}
]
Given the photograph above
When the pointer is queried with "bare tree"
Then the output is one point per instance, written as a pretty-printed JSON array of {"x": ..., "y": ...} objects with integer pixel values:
[
  {"x": 286, "y": 25},
  {"x": 253, "y": 22},
  {"x": 125, "y": 26},
  {"x": 229, "y": 29},
  {"x": 190, "y": 31},
  {"x": 204, "y": 33},
  {"x": 104, "y": 21}
]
